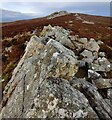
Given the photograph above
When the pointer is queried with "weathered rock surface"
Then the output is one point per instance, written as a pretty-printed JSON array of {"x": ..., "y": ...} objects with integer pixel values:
[
  {"x": 102, "y": 108},
  {"x": 44, "y": 83}
]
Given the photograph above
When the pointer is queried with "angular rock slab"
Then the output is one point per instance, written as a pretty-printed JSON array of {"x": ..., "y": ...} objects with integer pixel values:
[
  {"x": 30, "y": 82},
  {"x": 59, "y": 61},
  {"x": 92, "y": 45},
  {"x": 57, "y": 99}
]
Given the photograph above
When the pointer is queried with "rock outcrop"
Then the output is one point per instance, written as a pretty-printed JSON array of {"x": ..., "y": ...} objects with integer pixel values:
[
  {"x": 57, "y": 14},
  {"x": 48, "y": 82}
]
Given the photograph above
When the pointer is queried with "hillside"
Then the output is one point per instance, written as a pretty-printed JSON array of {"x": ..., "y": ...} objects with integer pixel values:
[
  {"x": 16, "y": 35},
  {"x": 84, "y": 25}
]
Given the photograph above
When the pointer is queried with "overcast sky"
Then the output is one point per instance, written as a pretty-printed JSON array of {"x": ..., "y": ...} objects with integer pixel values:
[{"x": 45, "y": 8}]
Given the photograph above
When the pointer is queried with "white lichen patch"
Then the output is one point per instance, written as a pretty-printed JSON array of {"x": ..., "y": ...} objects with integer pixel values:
[
  {"x": 27, "y": 87},
  {"x": 31, "y": 113},
  {"x": 62, "y": 112},
  {"x": 80, "y": 114},
  {"x": 35, "y": 75},
  {"x": 55, "y": 54},
  {"x": 52, "y": 104}
]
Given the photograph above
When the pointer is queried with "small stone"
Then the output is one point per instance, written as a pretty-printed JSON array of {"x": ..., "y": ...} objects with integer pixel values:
[
  {"x": 83, "y": 40},
  {"x": 88, "y": 57},
  {"x": 99, "y": 42},
  {"x": 81, "y": 63},
  {"x": 92, "y": 74},
  {"x": 66, "y": 42},
  {"x": 70, "y": 21},
  {"x": 95, "y": 54},
  {"x": 88, "y": 22},
  {"x": 87, "y": 54},
  {"x": 92, "y": 45},
  {"x": 62, "y": 112},
  {"x": 101, "y": 54},
  {"x": 103, "y": 83},
  {"x": 101, "y": 64},
  {"x": 78, "y": 45}
]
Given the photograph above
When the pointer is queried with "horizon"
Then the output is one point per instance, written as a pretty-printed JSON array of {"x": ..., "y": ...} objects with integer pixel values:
[{"x": 40, "y": 9}]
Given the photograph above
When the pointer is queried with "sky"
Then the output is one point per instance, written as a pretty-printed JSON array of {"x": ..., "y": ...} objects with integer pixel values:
[{"x": 45, "y": 8}]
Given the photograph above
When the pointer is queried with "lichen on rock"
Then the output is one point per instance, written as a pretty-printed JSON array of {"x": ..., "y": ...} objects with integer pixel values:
[{"x": 44, "y": 83}]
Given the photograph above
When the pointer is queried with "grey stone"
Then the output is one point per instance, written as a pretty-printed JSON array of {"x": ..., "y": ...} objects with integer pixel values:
[
  {"x": 59, "y": 61},
  {"x": 93, "y": 75},
  {"x": 101, "y": 64},
  {"x": 83, "y": 40},
  {"x": 99, "y": 42},
  {"x": 87, "y": 54},
  {"x": 78, "y": 45},
  {"x": 101, "y": 54},
  {"x": 81, "y": 63},
  {"x": 95, "y": 55},
  {"x": 103, "y": 83},
  {"x": 38, "y": 94},
  {"x": 92, "y": 45},
  {"x": 66, "y": 42},
  {"x": 59, "y": 34}
]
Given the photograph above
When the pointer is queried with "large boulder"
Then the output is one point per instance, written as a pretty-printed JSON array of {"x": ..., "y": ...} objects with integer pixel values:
[{"x": 37, "y": 88}]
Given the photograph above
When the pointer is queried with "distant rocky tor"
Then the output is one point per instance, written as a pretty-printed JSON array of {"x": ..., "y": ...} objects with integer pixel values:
[
  {"x": 60, "y": 76},
  {"x": 57, "y": 14}
]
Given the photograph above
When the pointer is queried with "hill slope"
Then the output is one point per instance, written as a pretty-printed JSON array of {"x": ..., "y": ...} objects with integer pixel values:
[
  {"x": 84, "y": 25},
  {"x": 60, "y": 76},
  {"x": 17, "y": 34}
]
